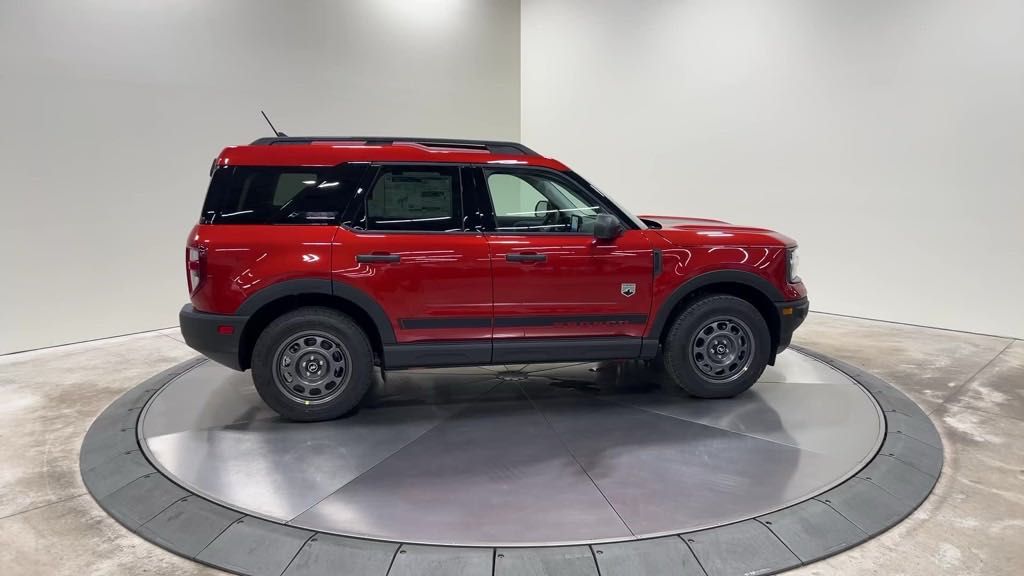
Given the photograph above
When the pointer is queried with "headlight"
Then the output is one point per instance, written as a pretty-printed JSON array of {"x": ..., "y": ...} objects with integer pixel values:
[{"x": 792, "y": 261}]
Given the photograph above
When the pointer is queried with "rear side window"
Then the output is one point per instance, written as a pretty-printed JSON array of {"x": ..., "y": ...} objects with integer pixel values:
[
  {"x": 280, "y": 195},
  {"x": 412, "y": 198}
]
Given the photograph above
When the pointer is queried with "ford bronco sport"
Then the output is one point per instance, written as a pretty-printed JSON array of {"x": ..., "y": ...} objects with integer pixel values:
[{"x": 317, "y": 258}]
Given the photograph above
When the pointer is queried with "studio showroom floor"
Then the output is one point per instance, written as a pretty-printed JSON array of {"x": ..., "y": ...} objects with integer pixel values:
[{"x": 972, "y": 386}]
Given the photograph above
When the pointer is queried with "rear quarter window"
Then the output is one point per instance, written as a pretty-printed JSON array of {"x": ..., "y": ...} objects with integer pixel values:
[{"x": 280, "y": 195}]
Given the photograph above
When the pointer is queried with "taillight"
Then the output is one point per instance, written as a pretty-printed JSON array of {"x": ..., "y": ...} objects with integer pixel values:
[{"x": 195, "y": 262}]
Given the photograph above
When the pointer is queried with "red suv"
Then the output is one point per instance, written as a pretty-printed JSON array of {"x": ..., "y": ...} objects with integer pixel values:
[{"x": 317, "y": 258}]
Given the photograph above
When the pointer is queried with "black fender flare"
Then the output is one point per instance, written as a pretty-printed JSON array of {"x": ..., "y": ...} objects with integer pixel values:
[
  {"x": 343, "y": 290},
  {"x": 748, "y": 279}
]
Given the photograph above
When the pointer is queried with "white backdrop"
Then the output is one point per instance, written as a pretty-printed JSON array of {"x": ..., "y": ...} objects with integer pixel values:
[
  {"x": 887, "y": 136},
  {"x": 112, "y": 110}
]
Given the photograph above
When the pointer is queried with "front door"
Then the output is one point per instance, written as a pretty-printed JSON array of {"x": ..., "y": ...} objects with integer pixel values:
[
  {"x": 404, "y": 243},
  {"x": 553, "y": 279}
]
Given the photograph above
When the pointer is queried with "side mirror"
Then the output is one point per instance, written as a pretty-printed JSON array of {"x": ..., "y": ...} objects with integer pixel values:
[
  {"x": 540, "y": 209},
  {"x": 607, "y": 227}
]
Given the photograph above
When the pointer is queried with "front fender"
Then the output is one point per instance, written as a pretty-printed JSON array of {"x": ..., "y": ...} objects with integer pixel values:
[{"x": 747, "y": 279}]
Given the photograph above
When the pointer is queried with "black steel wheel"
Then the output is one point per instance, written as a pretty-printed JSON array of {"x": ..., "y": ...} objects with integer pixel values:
[
  {"x": 312, "y": 364},
  {"x": 723, "y": 349},
  {"x": 311, "y": 367},
  {"x": 717, "y": 347}
]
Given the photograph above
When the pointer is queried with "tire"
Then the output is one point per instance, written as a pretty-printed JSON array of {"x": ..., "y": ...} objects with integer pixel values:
[
  {"x": 718, "y": 347},
  {"x": 312, "y": 364}
]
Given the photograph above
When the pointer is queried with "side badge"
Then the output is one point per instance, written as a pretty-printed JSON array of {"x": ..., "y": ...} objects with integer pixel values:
[{"x": 628, "y": 289}]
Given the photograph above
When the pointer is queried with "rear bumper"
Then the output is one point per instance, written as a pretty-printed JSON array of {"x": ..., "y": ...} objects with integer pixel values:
[
  {"x": 791, "y": 316},
  {"x": 209, "y": 334}
]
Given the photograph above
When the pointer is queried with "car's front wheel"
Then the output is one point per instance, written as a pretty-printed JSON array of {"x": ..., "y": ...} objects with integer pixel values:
[
  {"x": 312, "y": 364},
  {"x": 718, "y": 347}
]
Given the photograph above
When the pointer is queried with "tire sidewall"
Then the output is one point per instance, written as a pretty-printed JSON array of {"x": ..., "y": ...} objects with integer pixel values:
[
  {"x": 312, "y": 319},
  {"x": 677, "y": 346}
]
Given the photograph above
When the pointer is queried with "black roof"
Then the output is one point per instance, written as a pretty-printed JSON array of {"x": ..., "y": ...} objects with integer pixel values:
[{"x": 492, "y": 146}]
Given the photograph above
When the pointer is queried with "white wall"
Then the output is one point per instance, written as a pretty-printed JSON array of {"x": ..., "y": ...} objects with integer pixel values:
[
  {"x": 887, "y": 136},
  {"x": 111, "y": 111}
]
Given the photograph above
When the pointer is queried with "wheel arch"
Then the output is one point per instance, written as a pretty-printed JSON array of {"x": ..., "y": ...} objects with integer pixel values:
[
  {"x": 746, "y": 285},
  {"x": 264, "y": 306}
]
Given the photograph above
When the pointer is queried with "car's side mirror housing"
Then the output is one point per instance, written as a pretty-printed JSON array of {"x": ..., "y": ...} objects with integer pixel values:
[
  {"x": 607, "y": 227},
  {"x": 540, "y": 209}
]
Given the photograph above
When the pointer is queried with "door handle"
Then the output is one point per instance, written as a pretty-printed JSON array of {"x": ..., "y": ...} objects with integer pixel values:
[
  {"x": 526, "y": 257},
  {"x": 377, "y": 258}
]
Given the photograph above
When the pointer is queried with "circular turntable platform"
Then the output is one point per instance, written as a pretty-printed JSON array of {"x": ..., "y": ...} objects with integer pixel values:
[{"x": 566, "y": 463}]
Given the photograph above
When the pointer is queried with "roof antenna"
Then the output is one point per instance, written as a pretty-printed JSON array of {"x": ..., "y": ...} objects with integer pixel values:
[{"x": 276, "y": 133}]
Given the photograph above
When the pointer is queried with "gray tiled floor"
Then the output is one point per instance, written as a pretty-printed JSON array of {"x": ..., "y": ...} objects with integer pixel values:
[{"x": 972, "y": 524}]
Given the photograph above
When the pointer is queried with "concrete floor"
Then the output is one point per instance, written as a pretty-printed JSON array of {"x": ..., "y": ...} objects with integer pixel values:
[{"x": 973, "y": 387}]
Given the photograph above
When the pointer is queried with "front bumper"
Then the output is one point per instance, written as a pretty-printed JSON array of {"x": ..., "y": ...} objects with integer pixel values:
[
  {"x": 217, "y": 336},
  {"x": 791, "y": 316}
]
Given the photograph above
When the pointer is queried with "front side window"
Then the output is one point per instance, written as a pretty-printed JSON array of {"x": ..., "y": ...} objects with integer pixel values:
[
  {"x": 413, "y": 198},
  {"x": 279, "y": 195},
  {"x": 537, "y": 202}
]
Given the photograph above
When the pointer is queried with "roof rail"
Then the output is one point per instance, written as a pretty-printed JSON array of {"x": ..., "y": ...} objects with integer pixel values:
[{"x": 494, "y": 147}]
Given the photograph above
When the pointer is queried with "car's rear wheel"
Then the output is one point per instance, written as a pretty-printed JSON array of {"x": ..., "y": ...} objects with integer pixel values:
[
  {"x": 718, "y": 347},
  {"x": 312, "y": 364}
]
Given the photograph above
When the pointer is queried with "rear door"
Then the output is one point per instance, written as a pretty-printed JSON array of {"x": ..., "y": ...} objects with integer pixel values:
[
  {"x": 405, "y": 244},
  {"x": 552, "y": 278}
]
